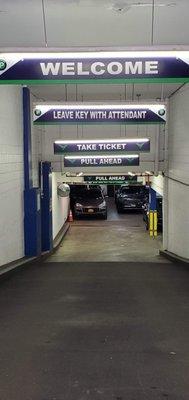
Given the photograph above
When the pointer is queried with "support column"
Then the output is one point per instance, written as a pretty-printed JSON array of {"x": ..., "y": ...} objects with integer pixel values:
[{"x": 32, "y": 209}]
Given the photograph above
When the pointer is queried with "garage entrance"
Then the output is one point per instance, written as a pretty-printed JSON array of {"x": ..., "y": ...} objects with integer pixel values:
[
  {"x": 122, "y": 236},
  {"x": 131, "y": 107}
]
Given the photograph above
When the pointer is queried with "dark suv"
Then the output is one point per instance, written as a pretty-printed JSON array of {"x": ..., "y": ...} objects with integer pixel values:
[
  {"x": 131, "y": 198},
  {"x": 90, "y": 202}
]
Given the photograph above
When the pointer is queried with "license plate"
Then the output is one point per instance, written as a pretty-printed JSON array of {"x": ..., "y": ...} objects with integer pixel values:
[{"x": 90, "y": 210}]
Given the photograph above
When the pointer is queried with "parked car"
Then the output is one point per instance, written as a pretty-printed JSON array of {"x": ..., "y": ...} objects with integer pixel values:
[
  {"x": 90, "y": 202},
  {"x": 75, "y": 191},
  {"x": 131, "y": 198},
  {"x": 159, "y": 201}
]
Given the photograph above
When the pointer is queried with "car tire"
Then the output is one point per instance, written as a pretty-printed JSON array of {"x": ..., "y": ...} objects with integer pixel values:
[
  {"x": 105, "y": 216},
  {"x": 119, "y": 210}
]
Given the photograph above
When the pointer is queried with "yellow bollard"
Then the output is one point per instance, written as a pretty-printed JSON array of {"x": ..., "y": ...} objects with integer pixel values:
[{"x": 153, "y": 223}]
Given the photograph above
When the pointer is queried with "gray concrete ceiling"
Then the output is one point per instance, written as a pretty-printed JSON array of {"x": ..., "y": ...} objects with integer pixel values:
[
  {"x": 99, "y": 23},
  {"x": 100, "y": 92},
  {"x": 67, "y": 23}
]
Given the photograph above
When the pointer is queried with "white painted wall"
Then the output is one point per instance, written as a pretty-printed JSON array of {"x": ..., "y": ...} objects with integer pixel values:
[
  {"x": 70, "y": 179},
  {"x": 60, "y": 205},
  {"x": 177, "y": 185},
  {"x": 157, "y": 183},
  {"x": 36, "y": 146},
  {"x": 11, "y": 175}
]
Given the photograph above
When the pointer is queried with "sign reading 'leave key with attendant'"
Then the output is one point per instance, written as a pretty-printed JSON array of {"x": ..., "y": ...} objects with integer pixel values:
[{"x": 99, "y": 114}]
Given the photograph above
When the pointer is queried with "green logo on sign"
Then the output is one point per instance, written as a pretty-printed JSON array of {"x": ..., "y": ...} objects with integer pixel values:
[
  {"x": 37, "y": 112},
  {"x": 63, "y": 146},
  {"x": 72, "y": 161},
  {"x": 140, "y": 145},
  {"x": 161, "y": 112},
  {"x": 3, "y": 65}
]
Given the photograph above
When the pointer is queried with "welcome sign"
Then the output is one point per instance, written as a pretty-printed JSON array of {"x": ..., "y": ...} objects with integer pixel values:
[
  {"x": 101, "y": 146},
  {"x": 101, "y": 161},
  {"x": 81, "y": 67},
  {"x": 99, "y": 114}
]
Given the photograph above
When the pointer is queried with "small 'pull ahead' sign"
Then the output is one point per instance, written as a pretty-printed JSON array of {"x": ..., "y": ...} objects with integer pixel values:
[{"x": 111, "y": 179}]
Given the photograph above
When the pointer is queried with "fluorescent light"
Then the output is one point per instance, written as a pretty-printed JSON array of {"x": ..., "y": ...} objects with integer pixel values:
[
  {"x": 148, "y": 172},
  {"x": 138, "y": 140},
  {"x": 102, "y": 156},
  {"x": 131, "y": 174},
  {"x": 83, "y": 106},
  {"x": 80, "y": 174}
]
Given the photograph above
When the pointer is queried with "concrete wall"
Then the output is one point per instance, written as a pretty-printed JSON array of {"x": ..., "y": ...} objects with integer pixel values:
[
  {"x": 11, "y": 175},
  {"x": 60, "y": 205},
  {"x": 177, "y": 182}
]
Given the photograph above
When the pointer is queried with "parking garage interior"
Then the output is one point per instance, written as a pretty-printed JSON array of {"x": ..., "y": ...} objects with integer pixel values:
[
  {"x": 148, "y": 173},
  {"x": 105, "y": 294},
  {"x": 122, "y": 236},
  {"x": 94, "y": 307}
]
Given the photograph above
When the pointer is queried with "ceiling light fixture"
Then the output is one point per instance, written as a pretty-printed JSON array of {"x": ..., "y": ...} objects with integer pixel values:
[
  {"x": 138, "y": 140},
  {"x": 85, "y": 106},
  {"x": 102, "y": 156}
]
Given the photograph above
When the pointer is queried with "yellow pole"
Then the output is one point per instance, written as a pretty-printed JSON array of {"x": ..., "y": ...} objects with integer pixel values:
[
  {"x": 155, "y": 223},
  {"x": 151, "y": 223}
]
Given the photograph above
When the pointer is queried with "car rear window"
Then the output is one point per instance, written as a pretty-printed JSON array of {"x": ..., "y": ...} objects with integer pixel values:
[
  {"x": 92, "y": 194},
  {"x": 131, "y": 190}
]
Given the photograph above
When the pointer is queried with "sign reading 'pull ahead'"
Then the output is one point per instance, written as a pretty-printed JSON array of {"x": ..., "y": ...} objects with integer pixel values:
[
  {"x": 99, "y": 114},
  {"x": 111, "y": 179},
  {"x": 82, "y": 67},
  {"x": 101, "y": 161}
]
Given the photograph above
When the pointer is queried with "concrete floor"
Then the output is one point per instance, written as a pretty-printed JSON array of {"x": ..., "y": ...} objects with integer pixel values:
[
  {"x": 95, "y": 331},
  {"x": 121, "y": 238}
]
